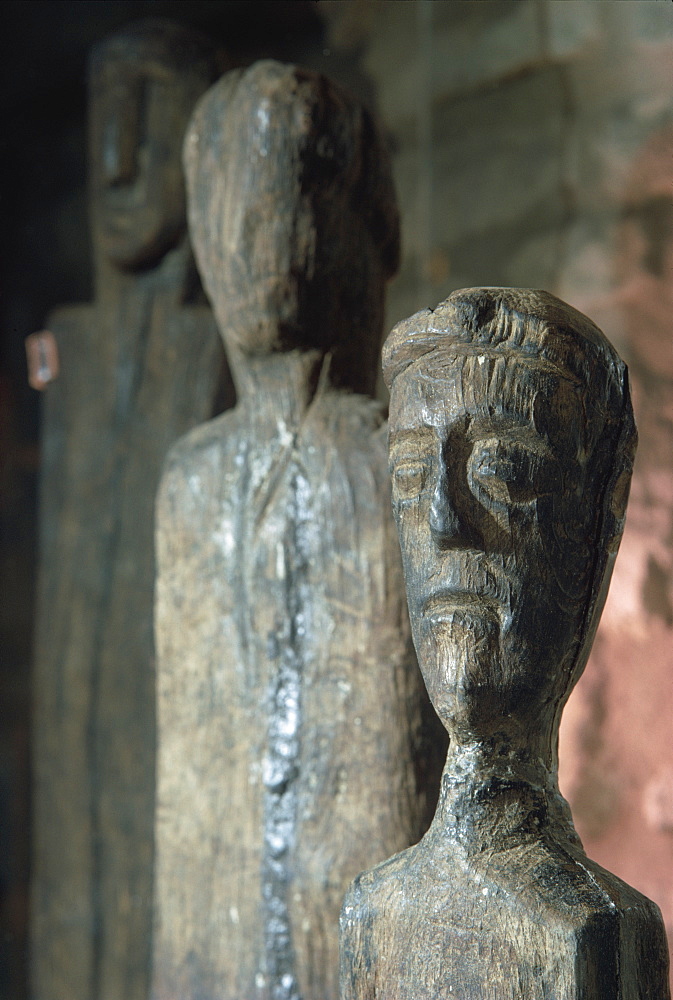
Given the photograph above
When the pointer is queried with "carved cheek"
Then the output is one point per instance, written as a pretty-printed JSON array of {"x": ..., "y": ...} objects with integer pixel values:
[
  {"x": 415, "y": 542},
  {"x": 566, "y": 549}
]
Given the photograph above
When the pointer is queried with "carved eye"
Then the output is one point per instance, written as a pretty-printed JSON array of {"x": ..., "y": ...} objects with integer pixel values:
[
  {"x": 512, "y": 474},
  {"x": 409, "y": 479}
]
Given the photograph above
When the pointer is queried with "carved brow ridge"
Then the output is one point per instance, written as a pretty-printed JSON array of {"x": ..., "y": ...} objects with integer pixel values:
[
  {"x": 438, "y": 353},
  {"x": 423, "y": 435},
  {"x": 419, "y": 441}
]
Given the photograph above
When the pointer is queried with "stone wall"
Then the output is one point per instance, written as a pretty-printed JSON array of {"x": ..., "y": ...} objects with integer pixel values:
[{"x": 533, "y": 146}]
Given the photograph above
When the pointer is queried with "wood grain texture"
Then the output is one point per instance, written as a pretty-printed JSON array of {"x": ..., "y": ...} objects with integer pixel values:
[
  {"x": 511, "y": 446},
  {"x": 139, "y": 366},
  {"x": 291, "y": 710}
]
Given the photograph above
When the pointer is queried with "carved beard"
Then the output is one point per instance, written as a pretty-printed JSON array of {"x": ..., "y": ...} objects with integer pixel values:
[
  {"x": 484, "y": 666},
  {"x": 460, "y": 657}
]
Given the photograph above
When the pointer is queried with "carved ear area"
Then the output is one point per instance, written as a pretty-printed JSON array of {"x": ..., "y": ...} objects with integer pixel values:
[
  {"x": 620, "y": 497},
  {"x": 374, "y": 193},
  {"x": 610, "y": 478},
  {"x": 619, "y": 480},
  {"x": 341, "y": 146}
]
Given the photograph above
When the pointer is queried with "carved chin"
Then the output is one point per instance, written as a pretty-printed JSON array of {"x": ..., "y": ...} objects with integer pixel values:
[
  {"x": 459, "y": 651},
  {"x": 134, "y": 243}
]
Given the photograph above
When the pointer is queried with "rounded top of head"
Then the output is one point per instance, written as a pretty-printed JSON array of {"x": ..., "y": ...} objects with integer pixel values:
[
  {"x": 297, "y": 117},
  {"x": 156, "y": 39},
  {"x": 527, "y": 324}
]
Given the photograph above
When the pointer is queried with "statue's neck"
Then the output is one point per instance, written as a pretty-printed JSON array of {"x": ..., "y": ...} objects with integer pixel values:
[
  {"x": 170, "y": 277},
  {"x": 496, "y": 795},
  {"x": 278, "y": 387}
]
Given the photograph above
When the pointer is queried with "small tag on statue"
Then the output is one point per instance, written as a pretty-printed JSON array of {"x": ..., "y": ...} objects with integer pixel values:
[{"x": 42, "y": 355}]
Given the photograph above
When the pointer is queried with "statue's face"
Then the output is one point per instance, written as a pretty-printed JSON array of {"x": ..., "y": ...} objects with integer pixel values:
[
  {"x": 284, "y": 257},
  {"x": 139, "y": 112},
  {"x": 488, "y": 498}
]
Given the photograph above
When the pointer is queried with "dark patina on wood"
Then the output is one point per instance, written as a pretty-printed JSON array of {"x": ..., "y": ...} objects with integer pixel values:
[
  {"x": 511, "y": 447},
  {"x": 290, "y": 705},
  {"x": 139, "y": 366}
]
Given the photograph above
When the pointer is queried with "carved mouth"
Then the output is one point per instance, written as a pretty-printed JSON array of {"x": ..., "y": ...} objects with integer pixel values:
[{"x": 445, "y": 605}]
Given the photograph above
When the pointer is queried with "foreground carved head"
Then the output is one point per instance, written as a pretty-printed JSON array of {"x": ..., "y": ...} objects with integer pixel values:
[
  {"x": 511, "y": 447},
  {"x": 144, "y": 81},
  {"x": 292, "y": 211}
]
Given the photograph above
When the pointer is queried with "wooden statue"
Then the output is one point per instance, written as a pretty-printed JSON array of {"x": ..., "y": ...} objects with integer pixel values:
[
  {"x": 289, "y": 703},
  {"x": 511, "y": 445},
  {"x": 139, "y": 366}
]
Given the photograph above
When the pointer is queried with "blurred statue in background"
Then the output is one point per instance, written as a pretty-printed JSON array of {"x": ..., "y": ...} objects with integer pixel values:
[
  {"x": 511, "y": 448},
  {"x": 290, "y": 707},
  {"x": 139, "y": 366}
]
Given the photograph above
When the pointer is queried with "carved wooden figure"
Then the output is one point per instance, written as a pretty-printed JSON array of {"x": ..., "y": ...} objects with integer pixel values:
[
  {"x": 139, "y": 366},
  {"x": 289, "y": 701},
  {"x": 511, "y": 444}
]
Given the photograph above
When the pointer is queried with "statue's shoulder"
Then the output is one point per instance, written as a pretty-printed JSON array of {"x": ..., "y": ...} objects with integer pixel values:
[
  {"x": 74, "y": 330},
  {"x": 577, "y": 900},
  {"x": 369, "y": 909},
  {"x": 583, "y": 906},
  {"x": 71, "y": 318},
  {"x": 609, "y": 899},
  {"x": 351, "y": 429},
  {"x": 202, "y": 453},
  {"x": 348, "y": 416},
  {"x": 373, "y": 891}
]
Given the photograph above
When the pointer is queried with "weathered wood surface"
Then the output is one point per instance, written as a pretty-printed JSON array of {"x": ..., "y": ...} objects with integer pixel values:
[
  {"x": 511, "y": 445},
  {"x": 139, "y": 366},
  {"x": 290, "y": 707}
]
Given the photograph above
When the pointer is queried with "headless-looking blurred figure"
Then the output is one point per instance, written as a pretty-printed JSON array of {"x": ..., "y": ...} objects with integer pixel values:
[
  {"x": 289, "y": 701},
  {"x": 511, "y": 444},
  {"x": 139, "y": 366}
]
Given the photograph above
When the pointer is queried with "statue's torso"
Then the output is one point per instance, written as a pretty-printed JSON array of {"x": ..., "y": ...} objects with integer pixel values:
[
  {"x": 288, "y": 697},
  {"x": 135, "y": 372},
  {"x": 539, "y": 922}
]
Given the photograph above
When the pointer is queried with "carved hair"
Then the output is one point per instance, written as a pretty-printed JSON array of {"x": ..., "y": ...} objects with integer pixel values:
[{"x": 535, "y": 328}]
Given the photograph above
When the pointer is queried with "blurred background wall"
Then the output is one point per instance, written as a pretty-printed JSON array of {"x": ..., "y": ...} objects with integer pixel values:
[{"x": 533, "y": 145}]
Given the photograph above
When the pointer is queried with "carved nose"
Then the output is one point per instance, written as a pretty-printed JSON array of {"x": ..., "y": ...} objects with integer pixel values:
[
  {"x": 119, "y": 159},
  {"x": 121, "y": 136},
  {"x": 445, "y": 525}
]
